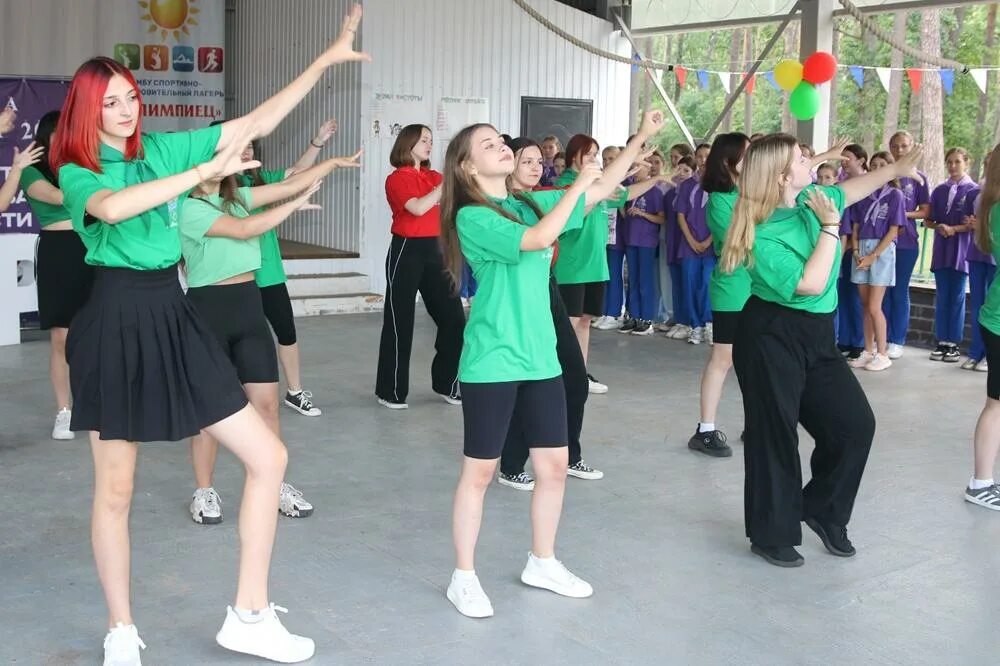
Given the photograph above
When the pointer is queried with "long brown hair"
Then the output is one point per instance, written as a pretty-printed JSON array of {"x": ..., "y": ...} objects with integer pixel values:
[
  {"x": 759, "y": 195},
  {"x": 229, "y": 193},
  {"x": 460, "y": 189},
  {"x": 988, "y": 197}
]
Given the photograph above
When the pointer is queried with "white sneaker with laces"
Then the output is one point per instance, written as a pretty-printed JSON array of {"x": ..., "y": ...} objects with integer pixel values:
[
  {"x": 61, "y": 428},
  {"x": 697, "y": 336},
  {"x": 982, "y": 366},
  {"x": 680, "y": 332},
  {"x": 582, "y": 470},
  {"x": 302, "y": 403},
  {"x": 894, "y": 351},
  {"x": 594, "y": 323},
  {"x": 862, "y": 360},
  {"x": 664, "y": 327},
  {"x": 292, "y": 503},
  {"x": 878, "y": 362},
  {"x": 609, "y": 324},
  {"x": 551, "y": 575},
  {"x": 121, "y": 646},
  {"x": 206, "y": 507},
  {"x": 467, "y": 595},
  {"x": 265, "y": 638},
  {"x": 970, "y": 364}
]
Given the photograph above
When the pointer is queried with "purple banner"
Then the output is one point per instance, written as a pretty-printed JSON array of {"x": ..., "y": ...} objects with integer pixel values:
[{"x": 31, "y": 99}]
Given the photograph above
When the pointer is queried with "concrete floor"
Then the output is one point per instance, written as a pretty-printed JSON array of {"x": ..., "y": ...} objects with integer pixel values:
[{"x": 660, "y": 538}]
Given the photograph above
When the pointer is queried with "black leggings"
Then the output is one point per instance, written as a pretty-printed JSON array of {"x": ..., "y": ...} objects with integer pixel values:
[
  {"x": 790, "y": 372},
  {"x": 574, "y": 374},
  {"x": 278, "y": 310}
]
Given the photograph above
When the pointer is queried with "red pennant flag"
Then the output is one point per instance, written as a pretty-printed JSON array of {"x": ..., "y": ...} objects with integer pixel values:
[
  {"x": 751, "y": 84},
  {"x": 681, "y": 73},
  {"x": 916, "y": 77}
]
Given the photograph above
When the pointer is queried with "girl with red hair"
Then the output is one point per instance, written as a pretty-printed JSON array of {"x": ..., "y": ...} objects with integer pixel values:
[{"x": 144, "y": 367}]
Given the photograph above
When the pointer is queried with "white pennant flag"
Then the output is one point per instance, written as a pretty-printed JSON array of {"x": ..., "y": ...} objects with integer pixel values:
[
  {"x": 724, "y": 77},
  {"x": 884, "y": 75},
  {"x": 979, "y": 76}
]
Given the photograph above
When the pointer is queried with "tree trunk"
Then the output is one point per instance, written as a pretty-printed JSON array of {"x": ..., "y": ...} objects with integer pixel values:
[
  {"x": 930, "y": 96},
  {"x": 956, "y": 32},
  {"x": 895, "y": 82},
  {"x": 748, "y": 57},
  {"x": 979, "y": 148}
]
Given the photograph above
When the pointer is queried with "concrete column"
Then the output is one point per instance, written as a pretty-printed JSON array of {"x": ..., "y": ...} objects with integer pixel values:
[{"x": 817, "y": 35}]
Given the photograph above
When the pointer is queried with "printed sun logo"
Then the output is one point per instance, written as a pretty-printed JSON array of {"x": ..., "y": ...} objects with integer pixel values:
[{"x": 169, "y": 16}]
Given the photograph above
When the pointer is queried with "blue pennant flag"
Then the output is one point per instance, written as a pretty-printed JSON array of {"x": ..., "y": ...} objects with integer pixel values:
[
  {"x": 859, "y": 75},
  {"x": 948, "y": 80},
  {"x": 636, "y": 58},
  {"x": 770, "y": 79},
  {"x": 703, "y": 79}
]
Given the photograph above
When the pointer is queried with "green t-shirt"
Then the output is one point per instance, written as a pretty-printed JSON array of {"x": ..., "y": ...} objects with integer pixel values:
[
  {"x": 728, "y": 292},
  {"x": 989, "y": 314},
  {"x": 782, "y": 246},
  {"x": 211, "y": 259},
  {"x": 583, "y": 253},
  {"x": 509, "y": 336},
  {"x": 150, "y": 240},
  {"x": 271, "y": 271},
  {"x": 43, "y": 211}
]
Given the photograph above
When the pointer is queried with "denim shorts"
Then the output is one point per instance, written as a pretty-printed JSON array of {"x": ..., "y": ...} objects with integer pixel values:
[{"x": 883, "y": 272}]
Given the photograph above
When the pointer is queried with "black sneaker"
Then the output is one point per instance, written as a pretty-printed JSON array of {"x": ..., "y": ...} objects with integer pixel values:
[
  {"x": 302, "y": 403},
  {"x": 643, "y": 328},
  {"x": 520, "y": 481},
  {"x": 629, "y": 325},
  {"x": 853, "y": 354},
  {"x": 938, "y": 352},
  {"x": 712, "y": 443},
  {"x": 951, "y": 354},
  {"x": 834, "y": 537},
  {"x": 779, "y": 556}
]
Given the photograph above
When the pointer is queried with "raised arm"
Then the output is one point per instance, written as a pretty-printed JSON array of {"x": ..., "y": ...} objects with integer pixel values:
[
  {"x": 8, "y": 190},
  {"x": 265, "y": 195},
  {"x": 857, "y": 188},
  {"x": 652, "y": 122},
  {"x": 551, "y": 225},
  {"x": 636, "y": 190},
  {"x": 835, "y": 153},
  {"x": 309, "y": 157},
  {"x": 268, "y": 115},
  {"x": 242, "y": 228}
]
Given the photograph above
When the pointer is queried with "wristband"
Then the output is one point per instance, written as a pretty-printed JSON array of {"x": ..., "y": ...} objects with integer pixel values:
[{"x": 315, "y": 145}]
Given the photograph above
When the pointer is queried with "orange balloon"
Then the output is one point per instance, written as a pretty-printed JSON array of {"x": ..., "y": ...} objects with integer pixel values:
[{"x": 168, "y": 14}]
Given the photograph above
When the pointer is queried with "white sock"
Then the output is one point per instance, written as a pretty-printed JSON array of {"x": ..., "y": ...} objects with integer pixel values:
[
  {"x": 979, "y": 484},
  {"x": 248, "y": 616},
  {"x": 291, "y": 392},
  {"x": 706, "y": 427},
  {"x": 461, "y": 574},
  {"x": 543, "y": 560}
]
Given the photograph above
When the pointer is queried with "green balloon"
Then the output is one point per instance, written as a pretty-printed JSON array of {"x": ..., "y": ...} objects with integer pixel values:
[{"x": 804, "y": 101}]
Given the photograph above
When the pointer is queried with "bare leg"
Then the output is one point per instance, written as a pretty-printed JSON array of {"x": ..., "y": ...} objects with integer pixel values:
[
  {"x": 58, "y": 368},
  {"x": 713, "y": 379},
  {"x": 877, "y": 318},
  {"x": 987, "y": 439},
  {"x": 114, "y": 472},
  {"x": 288, "y": 355},
  {"x": 204, "y": 452},
  {"x": 549, "y": 465},
  {"x": 467, "y": 515},
  {"x": 582, "y": 327},
  {"x": 264, "y": 457},
  {"x": 865, "y": 291}
]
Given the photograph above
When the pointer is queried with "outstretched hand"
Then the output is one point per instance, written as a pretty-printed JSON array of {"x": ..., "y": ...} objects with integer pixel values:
[
  {"x": 229, "y": 160},
  {"x": 906, "y": 166},
  {"x": 31, "y": 155},
  {"x": 303, "y": 198},
  {"x": 349, "y": 162},
  {"x": 342, "y": 49}
]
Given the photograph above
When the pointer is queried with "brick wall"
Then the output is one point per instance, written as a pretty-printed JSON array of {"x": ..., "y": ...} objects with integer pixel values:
[{"x": 922, "y": 318}]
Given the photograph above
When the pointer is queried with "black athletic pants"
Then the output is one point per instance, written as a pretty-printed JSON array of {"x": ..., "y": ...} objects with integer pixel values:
[
  {"x": 790, "y": 372},
  {"x": 574, "y": 373},
  {"x": 412, "y": 265}
]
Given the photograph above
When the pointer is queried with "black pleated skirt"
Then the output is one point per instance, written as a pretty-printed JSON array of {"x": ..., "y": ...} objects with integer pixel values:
[
  {"x": 144, "y": 367},
  {"x": 64, "y": 278}
]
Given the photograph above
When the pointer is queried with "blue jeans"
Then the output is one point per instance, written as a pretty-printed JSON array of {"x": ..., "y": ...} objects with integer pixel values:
[
  {"x": 642, "y": 282},
  {"x": 896, "y": 304},
  {"x": 677, "y": 293},
  {"x": 697, "y": 273},
  {"x": 949, "y": 305},
  {"x": 850, "y": 323},
  {"x": 980, "y": 278},
  {"x": 614, "y": 295},
  {"x": 469, "y": 285}
]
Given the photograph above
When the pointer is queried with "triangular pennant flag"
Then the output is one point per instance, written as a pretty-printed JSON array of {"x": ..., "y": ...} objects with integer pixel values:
[
  {"x": 884, "y": 75},
  {"x": 681, "y": 73},
  {"x": 948, "y": 80},
  {"x": 859, "y": 75},
  {"x": 770, "y": 79},
  {"x": 636, "y": 59},
  {"x": 916, "y": 77},
  {"x": 751, "y": 84},
  {"x": 724, "y": 77},
  {"x": 703, "y": 79},
  {"x": 979, "y": 76}
]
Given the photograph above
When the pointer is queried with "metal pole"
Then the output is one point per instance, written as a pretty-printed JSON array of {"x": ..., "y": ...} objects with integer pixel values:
[
  {"x": 753, "y": 70},
  {"x": 656, "y": 82}
]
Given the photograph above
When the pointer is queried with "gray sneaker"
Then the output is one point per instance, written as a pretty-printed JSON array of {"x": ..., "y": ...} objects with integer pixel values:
[
  {"x": 520, "y": 481},
  {"x": 988, "y": 497}
]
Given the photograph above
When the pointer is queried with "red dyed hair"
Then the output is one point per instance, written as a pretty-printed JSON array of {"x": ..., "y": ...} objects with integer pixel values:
[
  {"x": 78, "y": 132},
  {"x": 579, "y": 146}
]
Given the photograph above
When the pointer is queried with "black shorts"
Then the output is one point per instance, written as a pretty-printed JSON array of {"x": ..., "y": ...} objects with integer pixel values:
[
  {"x": 278, "y": 310},
  {"x": 992, "y": 341},
  {"x": 585, "y": 298},
  {"x": 64, "y": 278},
  {"x": 724, "y": 326},
  {"x": 488, "y": 408},
  {"x": 235, "y": 315}
]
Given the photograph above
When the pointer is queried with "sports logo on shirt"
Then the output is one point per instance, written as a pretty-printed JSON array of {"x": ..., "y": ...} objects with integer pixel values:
[{"x": 172, "y": 207}]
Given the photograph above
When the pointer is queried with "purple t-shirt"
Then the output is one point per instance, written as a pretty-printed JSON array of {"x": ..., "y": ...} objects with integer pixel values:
[
  {"x": 640, "y": 231},
  {"x": 616, "y": 229},
  {"x": 877, "y": 212},
  {"x": 549, "y": 175},
  {"x": 915, "y": 193},
  {"x": 951, "y": 252},
  {"x": 692, "y": 201},
  {"x": 673, "y": 236},
  {"x": 975, "y": 254}
]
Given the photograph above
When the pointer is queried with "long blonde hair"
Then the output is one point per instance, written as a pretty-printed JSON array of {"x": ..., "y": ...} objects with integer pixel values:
[
  {"x": 988, "y": 197},
  {"x": 760, "y": 192}
]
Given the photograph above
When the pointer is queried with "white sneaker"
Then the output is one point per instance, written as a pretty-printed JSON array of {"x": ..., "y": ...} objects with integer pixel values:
[
  {"x": 680, "y": 332},
  {"x": 664, "y": 327},
  {"x": 551, "y": 575},
  {"x": 292, "y": 503},
  {"x": 61, "y": 429},
  {"x": 595, "y": 386},
  {"x": 709, "y": 334},
  {"x": 121, "y": 646},
  {"x": 582, "y": 470},
  {"x": 468, "y": 597},
  {"x": 206, "y": 507},
  {"x": 267, "y": 638},
  {"x": 970, "y": 364},
  {"x": 862, "y": 360},
  {"x": 878, "y": 362},
  {"x": 697, "y": 336},
  {"x": 894, "y": 351},
  {"x": 608, "y": 324},
  {"x": 982, "y": 366}
]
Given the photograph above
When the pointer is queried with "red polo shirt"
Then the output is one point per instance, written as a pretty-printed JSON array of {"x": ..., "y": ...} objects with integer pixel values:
[{"x": 407, "y": 183}]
